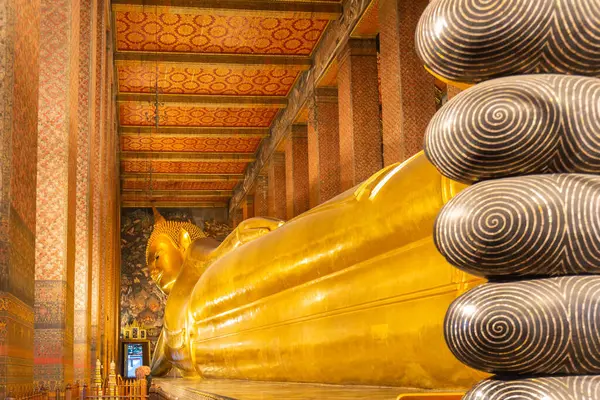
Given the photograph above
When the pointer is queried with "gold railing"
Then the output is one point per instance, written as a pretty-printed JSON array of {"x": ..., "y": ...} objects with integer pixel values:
[{"x": 113, "y": 388}]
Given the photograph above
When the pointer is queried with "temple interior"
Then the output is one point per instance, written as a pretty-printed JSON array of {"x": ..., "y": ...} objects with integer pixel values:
[{"x": 300, "y": 199}]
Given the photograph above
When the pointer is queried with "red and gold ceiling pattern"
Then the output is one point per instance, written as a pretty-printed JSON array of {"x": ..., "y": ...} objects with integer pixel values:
[
  {"x": 213, "y": 33},
  {"x": 136, "y": 77},
  {"x": 179, "y": 185},
  {"x": 213, "y": 52},
  {"x": 183, "y": 167},
  {"x": 134, "y": 114},
  {"x": 191, "y": 144}
]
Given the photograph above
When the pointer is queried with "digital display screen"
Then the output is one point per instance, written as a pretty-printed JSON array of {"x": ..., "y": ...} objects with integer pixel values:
[{"x": 134, "y": 358}]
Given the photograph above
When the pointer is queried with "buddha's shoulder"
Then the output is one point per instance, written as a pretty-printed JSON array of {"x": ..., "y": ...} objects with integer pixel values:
[{"x": 201, "y": 248}]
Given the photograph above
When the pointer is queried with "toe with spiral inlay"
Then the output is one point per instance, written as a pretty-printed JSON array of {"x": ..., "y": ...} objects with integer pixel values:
[
  {"x": 474, "y": 40},
  {"x": 517, "y": 126},
  {"x": 537, "y": 225},
  {"x": 538, "y": 326}
]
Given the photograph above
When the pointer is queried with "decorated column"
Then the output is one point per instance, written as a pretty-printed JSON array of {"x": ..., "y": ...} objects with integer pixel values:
[
  {"x": 19, "y": 80},
  {"x": 83, "y": 277},
  {"x": 296, "y": 171},
  {"x": 323, "y": 146},
  {"x": 261, "y": 208},
  {"x": 248, "y": 207},
  {"x": 407, "y": 90},
  {"x": 277, "y": 199},
  {"x": 360, "y": 126},
  {"x": 56, "y": 191}
]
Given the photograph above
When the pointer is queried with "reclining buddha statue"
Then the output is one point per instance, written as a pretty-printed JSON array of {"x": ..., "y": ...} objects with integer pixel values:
[{"x": 350, "y": 292}]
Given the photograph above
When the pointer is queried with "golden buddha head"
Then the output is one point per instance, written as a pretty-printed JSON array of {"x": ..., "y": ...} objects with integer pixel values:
[{"x": 166, "y": 249}]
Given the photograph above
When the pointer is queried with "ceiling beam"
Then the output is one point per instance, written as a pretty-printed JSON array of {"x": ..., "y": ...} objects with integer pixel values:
[
  {"x": 313, "y": 9},
  {"x": 194, "y": 131},
  {"x": 206, "y": 100},
  {"x": 186, "y": 156},
  {"x": 192, "y": 135},
  {"x": 178, "y": 193},
  {"x": 144, "y": 177},
  {"x": 332, "y": 42},
  {"x": 216, "y": 59},
  {"x": 174, "y": 204}
]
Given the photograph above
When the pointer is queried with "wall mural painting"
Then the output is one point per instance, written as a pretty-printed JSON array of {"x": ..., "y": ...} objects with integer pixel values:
[{"x": 141, "y": 300}]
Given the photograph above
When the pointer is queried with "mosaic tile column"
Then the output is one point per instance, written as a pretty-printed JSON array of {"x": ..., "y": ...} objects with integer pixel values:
[
  {"x": 56, "y": 191},
  {"x": 81, "y": 340},
  {"x": 323, "y": 146},
  {"x": 248, "y": 207},
  {"x": 277, "y": 199},
  {"x": 360, "y": 127},
  {"x": 296, "y": 171},
  {"x": 526, "y": 138},
  {"x": 97, "y": 250},
  {"x": 237, "y": 217},
  {"x": 407, "y": 90},
  {"x": 19, "y": 77},
  {"x": 261, "y": 206}
]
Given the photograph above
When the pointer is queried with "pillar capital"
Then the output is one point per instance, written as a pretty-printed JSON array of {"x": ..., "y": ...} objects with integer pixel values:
[
  {"x": 359, "y": 47},
  {"x": 299, "y": 131},
  {"x": 278, "y": 158},
  {"x": 327, "y": 94}
]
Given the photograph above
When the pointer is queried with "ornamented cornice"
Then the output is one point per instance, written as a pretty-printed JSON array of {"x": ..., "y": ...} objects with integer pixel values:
[{"x": 331, "y": 44}]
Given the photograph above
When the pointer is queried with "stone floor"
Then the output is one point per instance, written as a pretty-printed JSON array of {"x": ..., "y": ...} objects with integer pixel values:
[{"x": 185, "y": 389}]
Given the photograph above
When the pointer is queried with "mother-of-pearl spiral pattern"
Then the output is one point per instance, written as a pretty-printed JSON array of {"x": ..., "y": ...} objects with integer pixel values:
[
  {"x": 474, "y": 40},
  {"x": 584, "y": 387},
  {"x": 538, "y": 326},
  {"x": 531, "y": 225},
  {"x": 518, "y": 125}
]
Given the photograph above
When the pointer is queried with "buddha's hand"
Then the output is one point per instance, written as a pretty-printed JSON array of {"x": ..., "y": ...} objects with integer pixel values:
[
  {"x": 253, "y": 228},
  {"x": 247, "y": 231}
]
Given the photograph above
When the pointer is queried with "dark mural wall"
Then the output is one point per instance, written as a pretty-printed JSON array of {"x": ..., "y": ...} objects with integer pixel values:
[{"x": 141, "y": 299}]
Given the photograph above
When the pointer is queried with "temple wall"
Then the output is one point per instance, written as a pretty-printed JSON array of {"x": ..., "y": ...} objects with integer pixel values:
[{"x": 50, "y": 132}]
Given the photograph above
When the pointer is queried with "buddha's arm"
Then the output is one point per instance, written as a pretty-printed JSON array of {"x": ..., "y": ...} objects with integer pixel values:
[
  {"x": 160, "y": 364},
  {"x": 174, "y": 348},
  {"x": 193, "y": 267},
  {"x": 245, "y": 232}
]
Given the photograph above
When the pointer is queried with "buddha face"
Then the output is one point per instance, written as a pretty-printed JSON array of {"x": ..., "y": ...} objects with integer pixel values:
[{"x": 165, "y": 259}]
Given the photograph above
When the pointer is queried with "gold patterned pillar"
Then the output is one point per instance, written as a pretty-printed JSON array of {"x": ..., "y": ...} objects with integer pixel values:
[
  {"x": 276, "y": 198},
  {"x": 261, "y": 208},
  {"x": 407, "y": 90},
  {"x": 56, "y": 191},
  {"x": 82, "y": 316},
  {"x": 99, "y": 83},
  {"x": 359, "y": 122},
  {"x": 19, "y": 80},
  {"x": 323, "y": 146},
  {"x": 237, "y": 217},
  {"x": 296, "y": 171},
  {"x": 248, "y": 207}
]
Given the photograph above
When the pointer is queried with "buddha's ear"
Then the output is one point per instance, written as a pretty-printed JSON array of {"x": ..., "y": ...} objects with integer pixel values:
[{"x": 184, "y": 239}]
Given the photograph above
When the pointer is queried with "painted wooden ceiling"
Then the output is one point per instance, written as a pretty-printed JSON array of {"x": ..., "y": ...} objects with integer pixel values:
[{"x": 220, "y": 72}]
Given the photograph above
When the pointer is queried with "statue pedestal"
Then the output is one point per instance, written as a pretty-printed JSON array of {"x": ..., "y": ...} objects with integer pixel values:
[{"x": 194, "y": 389}]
